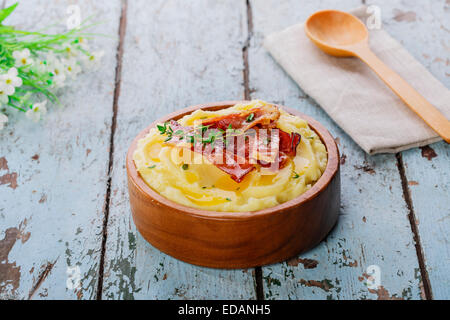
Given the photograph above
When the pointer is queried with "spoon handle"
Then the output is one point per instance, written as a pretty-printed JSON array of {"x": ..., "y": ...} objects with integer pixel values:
[{"x": 415, "y": 101}]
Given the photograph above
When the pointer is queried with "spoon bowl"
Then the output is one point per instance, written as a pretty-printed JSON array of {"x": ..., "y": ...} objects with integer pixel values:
[{"x": 334, "y": 31}]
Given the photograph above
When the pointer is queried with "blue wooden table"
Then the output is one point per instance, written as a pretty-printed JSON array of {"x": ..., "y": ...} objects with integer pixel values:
[{"x": 66, "y": 230}]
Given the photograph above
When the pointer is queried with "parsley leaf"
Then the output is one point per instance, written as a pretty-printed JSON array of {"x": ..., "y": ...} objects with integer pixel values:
[{"x": 162, "y": 129}]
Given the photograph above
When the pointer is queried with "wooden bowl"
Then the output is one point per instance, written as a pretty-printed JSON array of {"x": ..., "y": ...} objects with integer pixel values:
[{"x": 237, "y": 239}]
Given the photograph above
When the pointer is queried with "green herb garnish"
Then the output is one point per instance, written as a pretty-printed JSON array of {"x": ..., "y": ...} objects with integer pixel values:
[
  {"x": 228, "y": 199},
  {"x": 185, "y": 166},
  {"x": 162, "y": 129},
  {"x": 178, "y": 132},
  {"x": 151, "y": 167},
  {"x": 250, "y": 117},
  {"x": 296, "y": 175}
]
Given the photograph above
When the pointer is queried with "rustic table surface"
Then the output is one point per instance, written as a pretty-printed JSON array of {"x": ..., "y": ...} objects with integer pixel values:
[{"x": 66, "y": 230}]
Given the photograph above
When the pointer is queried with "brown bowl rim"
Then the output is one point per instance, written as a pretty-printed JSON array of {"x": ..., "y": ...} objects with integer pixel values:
[{"x": 327, "y": 176}]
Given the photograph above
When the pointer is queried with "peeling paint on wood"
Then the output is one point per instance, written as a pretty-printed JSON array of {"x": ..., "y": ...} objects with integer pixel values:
[
  {"x": 428, "y": 152},
  {"x": 408, "y": 16}
]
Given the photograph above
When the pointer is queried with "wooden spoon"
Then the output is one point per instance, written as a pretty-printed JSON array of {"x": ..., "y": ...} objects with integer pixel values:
[{"x": 342, "y": 34}]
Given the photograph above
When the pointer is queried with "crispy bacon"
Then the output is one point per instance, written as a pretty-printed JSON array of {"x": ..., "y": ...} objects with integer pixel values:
[
  {"x": 289, "y": 142},
  {"x": 227, "y": 161},
  {"x": 259, "y": 146},
  {"x": 262, "y": 116}
]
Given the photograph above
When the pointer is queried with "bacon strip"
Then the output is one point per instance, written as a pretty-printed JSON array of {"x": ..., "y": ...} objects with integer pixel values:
[
  {"x": 237, "y": 161},
  {"x": 289, "y": 143},
  {"x": 221, "y": 157},
  {"x": 263, "y": 116}
]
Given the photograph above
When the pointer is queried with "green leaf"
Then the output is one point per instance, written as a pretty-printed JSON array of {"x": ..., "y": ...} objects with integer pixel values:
[
  {"x": 185, "y": 166},
  {"x": 178, "y": 132},
  {"x": 162, "y": 129},
  {"x": 250, "y": 117},
  {"x": 7, "y": 11}
]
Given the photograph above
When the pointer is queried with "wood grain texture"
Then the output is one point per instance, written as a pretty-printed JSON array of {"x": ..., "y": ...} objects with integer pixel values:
[
  {"x": 427, "y": 169},
  {"x": 54, "y": 173},
  {"x": 170, "y": 62},
  {"x": 373, "y": 228},
  {"x": 53, "y": 176}
]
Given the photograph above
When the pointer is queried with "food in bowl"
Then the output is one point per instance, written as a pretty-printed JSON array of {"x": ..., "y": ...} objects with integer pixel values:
[{"x": 246, "y": 157}]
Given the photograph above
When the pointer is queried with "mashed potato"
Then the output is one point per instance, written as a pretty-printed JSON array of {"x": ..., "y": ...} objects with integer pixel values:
[{"x": 204, "y": 186}]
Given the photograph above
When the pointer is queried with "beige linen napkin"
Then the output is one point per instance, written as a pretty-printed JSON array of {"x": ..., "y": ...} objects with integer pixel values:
[{"x": 353, "y": 95}]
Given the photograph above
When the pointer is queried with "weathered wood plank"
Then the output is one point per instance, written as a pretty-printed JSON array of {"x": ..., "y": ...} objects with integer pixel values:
[
  {"x": 373, "y": 228},
  {"x": 190, "y": 52},
  {"x": 428, "y": 169},
  {"x": 53, "y": 174}
]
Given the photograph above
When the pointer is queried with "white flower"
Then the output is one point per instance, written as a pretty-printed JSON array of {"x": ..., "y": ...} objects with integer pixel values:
[
  {"x": 69, "y": 50},
  {"x": 71, "y": 67},
  {"x": 41, "y": 66},
  {"x": 22, "y": 57},
  {"x": 11, "y": 79},
  {"x": 83, "y": 43},
  {"x": 57, "y": 69},
  {"x": 5, "y": 92},
  {"x": 36, "y": 111},
  {"x": 3, "y": 120},
  {"x": 93, "y": 61}
]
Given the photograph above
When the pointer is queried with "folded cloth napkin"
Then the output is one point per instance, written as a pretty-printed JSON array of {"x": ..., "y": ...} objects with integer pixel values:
[{"x": 353, "y": 95}]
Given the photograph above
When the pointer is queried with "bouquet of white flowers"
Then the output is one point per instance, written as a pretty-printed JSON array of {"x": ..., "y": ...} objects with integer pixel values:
[{"x": 33, "y": 65}]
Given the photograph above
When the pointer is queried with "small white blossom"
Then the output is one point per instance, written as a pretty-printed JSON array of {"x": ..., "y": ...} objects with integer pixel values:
[
  {"x": 36, "y": 111},
  {"x": 71, "y": 67},
  {"x": 41, "y": 66},
  {"x": 5, "y": 92},
  {"x": 22, "y": 58},
  {"x": 83, "y": 43},
  {"x": 10, "y": 79},
  {"x": 57, "y": 68},
  {"x": 70, "y": 50},
  {"x": 93, "y": 61},
  {"x": 3, "y": 120}
]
